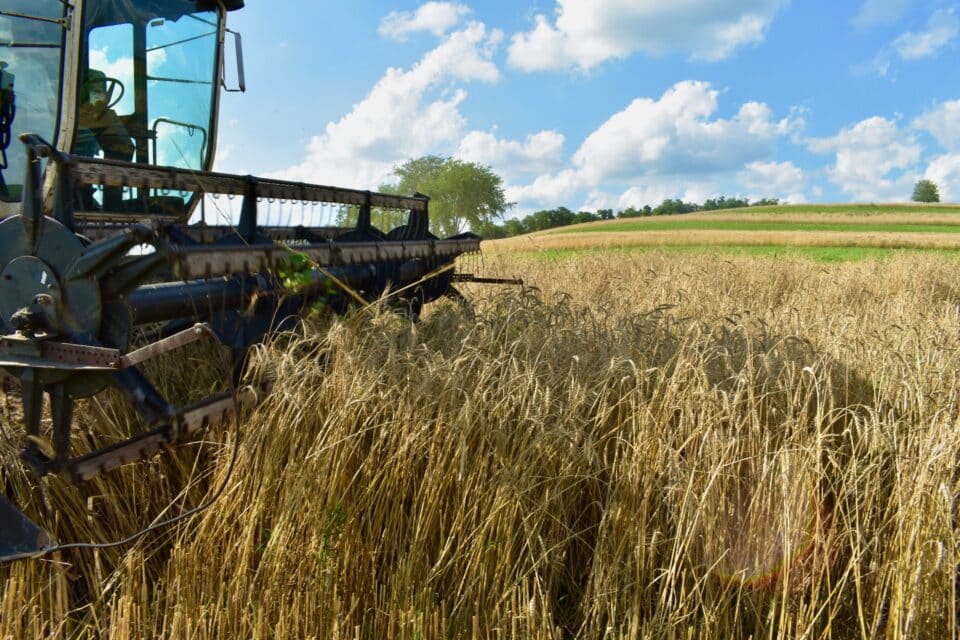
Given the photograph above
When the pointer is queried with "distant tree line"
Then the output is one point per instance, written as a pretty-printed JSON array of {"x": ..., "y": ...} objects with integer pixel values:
[
  {"x": 561, "y": 216},
  {"x": 470, "y": 195}
]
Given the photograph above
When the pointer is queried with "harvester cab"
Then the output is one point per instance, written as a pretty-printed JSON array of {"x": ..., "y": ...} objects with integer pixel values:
[
  {"x": 116, "y": 79},
  {"x": 104, "y": 237}
]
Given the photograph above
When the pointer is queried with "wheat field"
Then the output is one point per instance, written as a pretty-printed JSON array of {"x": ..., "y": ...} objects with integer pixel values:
[{"x": 640, "y": 446}]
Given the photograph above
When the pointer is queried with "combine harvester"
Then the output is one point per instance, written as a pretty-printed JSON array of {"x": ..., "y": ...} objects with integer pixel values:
[{"x": 96, "y": 240}]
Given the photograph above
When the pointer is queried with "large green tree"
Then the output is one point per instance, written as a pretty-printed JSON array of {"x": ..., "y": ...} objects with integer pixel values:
[
  {"x": 462, "y": 194},
  {"x": 926, "y": 191}
]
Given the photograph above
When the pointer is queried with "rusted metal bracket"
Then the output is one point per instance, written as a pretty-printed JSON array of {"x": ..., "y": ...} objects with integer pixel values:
[
  {"x": 187, "y": 422},
  {"x": 176, "y": 341},
  {"x": 20, "y": 351}
]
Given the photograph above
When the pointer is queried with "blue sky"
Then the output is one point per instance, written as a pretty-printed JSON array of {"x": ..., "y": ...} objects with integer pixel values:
[{"x": 606, "y": 103}]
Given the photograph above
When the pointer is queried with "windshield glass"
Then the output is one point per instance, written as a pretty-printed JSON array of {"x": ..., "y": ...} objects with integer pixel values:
[
  {"x": 31, "y": 39},
  {"x": 180, "y": 65},
  {"x": 147, "y": 88}
]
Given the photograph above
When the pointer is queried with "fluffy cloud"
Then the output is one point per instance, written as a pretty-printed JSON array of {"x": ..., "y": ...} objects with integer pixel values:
[
  {"x": 880, "y": 12},
  {"x": 782, "y": 180},
  {"x": 585, "y": 33},
  {"x": 547, "y": 190},
  {"x": 674, "y": 146},
  {"x": 539, "y": 153},
  {"x": 408, "y": 113},
  {"x": 945, "y": 171},
  {"x": 943, "y": 123},
  {"x": 653, "y": 192},
  {"x": 875, "y": 160},
  {"x": 942, "y": 27},
  {"x": 677, "y": 134},
  {"x": 436, "y": 17}
]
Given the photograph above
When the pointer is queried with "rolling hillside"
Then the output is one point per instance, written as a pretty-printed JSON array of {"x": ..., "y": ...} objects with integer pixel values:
[{"x": 820, "y": 231}]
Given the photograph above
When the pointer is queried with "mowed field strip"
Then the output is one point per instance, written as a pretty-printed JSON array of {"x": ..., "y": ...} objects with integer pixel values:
[{"x": 792, "y": 227}]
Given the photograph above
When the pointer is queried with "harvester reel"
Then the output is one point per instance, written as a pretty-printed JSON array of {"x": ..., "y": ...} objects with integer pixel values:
[
  {"x": 56, "y": 339},
  {"x": 42, "y": 294}
]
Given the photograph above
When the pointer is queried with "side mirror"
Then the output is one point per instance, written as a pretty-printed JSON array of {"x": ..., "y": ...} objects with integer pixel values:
[{"x": 241, "y": 77}]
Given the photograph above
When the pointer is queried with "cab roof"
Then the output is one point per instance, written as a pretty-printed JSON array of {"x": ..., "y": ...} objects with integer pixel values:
[{"x": 231, "y": 5}]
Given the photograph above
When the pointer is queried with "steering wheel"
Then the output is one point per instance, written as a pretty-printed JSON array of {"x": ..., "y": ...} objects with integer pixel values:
[{"x": 109, "y": 85}]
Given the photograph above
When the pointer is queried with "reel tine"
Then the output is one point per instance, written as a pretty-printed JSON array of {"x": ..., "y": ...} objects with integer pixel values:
[{"x": 20, "y": 537}]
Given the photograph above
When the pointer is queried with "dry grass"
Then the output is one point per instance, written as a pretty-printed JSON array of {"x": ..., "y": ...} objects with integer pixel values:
[
  {"x": 693, "y": 237},
  {"x": 649, "y": 447}
]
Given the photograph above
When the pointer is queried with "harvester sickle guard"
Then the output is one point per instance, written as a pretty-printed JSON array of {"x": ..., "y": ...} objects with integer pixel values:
[{"x": 79, "y": 274}]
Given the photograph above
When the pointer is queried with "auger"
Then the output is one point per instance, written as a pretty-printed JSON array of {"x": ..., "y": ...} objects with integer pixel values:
[{"x": 107, "y": 233}]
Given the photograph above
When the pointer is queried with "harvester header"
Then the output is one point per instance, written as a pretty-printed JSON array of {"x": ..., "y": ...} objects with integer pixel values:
[{"x": 114, "y": 247}]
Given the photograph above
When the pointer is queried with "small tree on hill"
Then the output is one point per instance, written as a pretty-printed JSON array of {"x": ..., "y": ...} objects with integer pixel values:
[{"x": 926, "y": 191}]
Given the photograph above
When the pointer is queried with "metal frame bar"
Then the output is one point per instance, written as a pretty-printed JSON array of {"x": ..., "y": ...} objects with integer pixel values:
[{"x": 115, "y": 173}]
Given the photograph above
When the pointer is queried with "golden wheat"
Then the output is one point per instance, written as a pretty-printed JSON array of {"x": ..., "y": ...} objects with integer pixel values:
[
  {"x": 652, "y": 446},
  {"x": 590, "y": 240}
]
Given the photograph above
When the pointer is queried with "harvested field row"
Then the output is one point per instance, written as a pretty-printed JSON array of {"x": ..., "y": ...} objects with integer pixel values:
[
  {"x": 908, "y": 208},
  {"x": 694, "y": 237},
  {"x": 762, "y": 223},
  {"x": 919, "y": 218}
]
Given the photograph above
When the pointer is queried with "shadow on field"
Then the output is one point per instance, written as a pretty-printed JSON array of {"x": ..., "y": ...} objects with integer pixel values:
[{"x": 714, "y": 454}]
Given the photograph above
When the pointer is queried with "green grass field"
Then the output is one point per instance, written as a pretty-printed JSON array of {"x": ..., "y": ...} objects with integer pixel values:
[
  {"x": 678, "y": 223},
  {"x": 859, "y": 209},
  {"x": 824, "y": 233}
]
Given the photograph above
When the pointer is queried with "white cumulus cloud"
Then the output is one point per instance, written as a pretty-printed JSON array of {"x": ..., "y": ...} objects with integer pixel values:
[
  {"x": 945, "y": 172},
  {"x": 547, "y": 190},
  {"x": 783, "y": 180},
  {"x": 678, "y": 134},
  {"x": 540, "y": 153},
  {"x": 408, "y": 113},
  {"x": 654, "y": 191},
  {"x": 942, "y": 28},
  {"x": 436, "y": 17},
  {"x": 943, "y": 123},
  {"x": 874, "y": 12},
  {"x": 874, "y": 160},
  {"x": 585, "y": 33},
  {"x": 666, "y": 147}
]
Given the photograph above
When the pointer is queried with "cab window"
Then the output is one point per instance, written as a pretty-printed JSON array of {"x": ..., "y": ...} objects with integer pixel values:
[{"x": 31, "y": 44}]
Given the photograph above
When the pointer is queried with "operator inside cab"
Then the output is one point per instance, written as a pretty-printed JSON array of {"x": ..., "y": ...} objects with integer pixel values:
[
  {"x": 100, "y": 129},
  {"x": 8, "y": 111}
]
